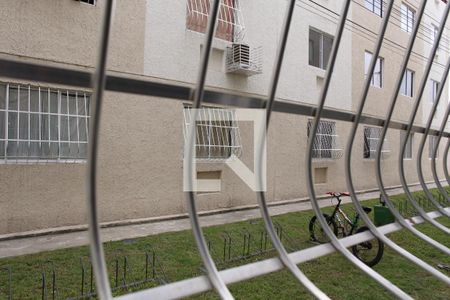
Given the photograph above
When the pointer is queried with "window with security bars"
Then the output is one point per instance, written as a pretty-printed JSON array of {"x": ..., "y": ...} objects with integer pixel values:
[
  {"x": 432, "y": 142},
  {"x": 409, "y": 144},
  {"x": 38, "y": 123},
  {"x": 375, "y": 6},
  {"x": 371, "y": 142},
  {"x": 406, "y": 18},
  {"x": 326, "y": 143},
  {"x": 217, "y": 133},
  {"x": 377, "y": 77},
  {"x": 230, "y": 25}
]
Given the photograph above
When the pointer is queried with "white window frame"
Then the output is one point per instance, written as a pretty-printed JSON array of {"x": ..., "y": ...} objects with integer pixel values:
[
  {"x": 377, "y": 77},
  {"x": 51, "y": 146},
  {"x": 409, "y": 145},
  {"x": 434, "y": 86},
  {"x": 375, "y": 6},
  {"x": 407, "y": 17},
  {"x": 434, "y": 32},
  {"x": 432, "y": 143},
  {"x": 89, "y": 2},
  {"x": 407, "y": 86},
  {"x": 211, "y": 144},
  {"x": 322, "y": 59},
  {"x": 371, "y": 140}
]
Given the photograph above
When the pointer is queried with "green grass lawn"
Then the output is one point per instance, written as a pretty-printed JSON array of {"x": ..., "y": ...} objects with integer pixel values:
[{"x": 177, "y": 258}]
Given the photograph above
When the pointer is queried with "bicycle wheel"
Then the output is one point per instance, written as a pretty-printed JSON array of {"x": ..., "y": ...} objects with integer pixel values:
[
  {"x": 369, "y": 252},
  {"x": 316, "y": 231}
]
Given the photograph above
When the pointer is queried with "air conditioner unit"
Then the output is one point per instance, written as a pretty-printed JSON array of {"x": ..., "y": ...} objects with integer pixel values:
[
  {"x": 242, "y": 59},
  {"x": 241, "y": 55}
]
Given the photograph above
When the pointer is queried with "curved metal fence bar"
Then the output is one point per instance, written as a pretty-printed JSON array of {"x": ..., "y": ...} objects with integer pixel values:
[
  {"x": 434, "y": 153},
  {"x": 135, "y": 85},
  {"x": 98, "y": 85},
  {"x": 197, "y": 98},
  {"x": 387, "y": 125},
  {"x": 310, "y": 185},
  {"x": 192, "y": 286},
  {"x": 283, "y": 254},
  {"x": 348, "y": 156},
  {"x": 444, "y": 156},
  {"x": 213, "y": 279},
  {"x": 413, "y": 116},
  {"x": 445, "y": 161}
]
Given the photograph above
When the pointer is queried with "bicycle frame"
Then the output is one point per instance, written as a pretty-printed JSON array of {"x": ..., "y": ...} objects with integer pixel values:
[{"x": 338, "y": 213}]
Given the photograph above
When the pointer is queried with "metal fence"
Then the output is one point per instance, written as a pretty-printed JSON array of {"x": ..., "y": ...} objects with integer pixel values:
[{"x": 219, "y": 280}]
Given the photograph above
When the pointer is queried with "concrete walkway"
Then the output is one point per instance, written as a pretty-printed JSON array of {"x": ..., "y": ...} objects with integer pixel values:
[{"x": 29, "y": 245}]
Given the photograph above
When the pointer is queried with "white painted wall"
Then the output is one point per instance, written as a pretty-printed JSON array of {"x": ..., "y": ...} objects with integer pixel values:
[{"x": 172, "y": 52}]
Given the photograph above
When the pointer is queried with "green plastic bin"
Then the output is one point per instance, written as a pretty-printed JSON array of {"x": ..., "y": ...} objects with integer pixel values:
[{"x": 382, "y": 215}]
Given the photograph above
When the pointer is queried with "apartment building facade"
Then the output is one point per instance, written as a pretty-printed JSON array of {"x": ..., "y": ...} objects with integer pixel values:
[{"x": 44, "y": 128}]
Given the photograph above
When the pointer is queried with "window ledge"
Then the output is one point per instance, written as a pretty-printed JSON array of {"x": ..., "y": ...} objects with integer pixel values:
[
  {"x": 217, "y": 43},
  {"x": 324, "y": 161},
  {"x": 318, "y": 72},
  {"x": 12, "y": 161},
  {"x": 372, "y": 160}
]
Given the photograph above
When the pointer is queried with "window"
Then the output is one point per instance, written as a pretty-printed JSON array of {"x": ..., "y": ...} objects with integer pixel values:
[
  {"x": 377, "y": 78},
  {"x": 375, "y": 6},
  {"x": 230, "y": 25},
  {"x": 217, "y": 134},
  {"x": 407, "y": 18},
  {"x": 92, "y": 2},
  {"x": 326, "y": 142},
  {"x": 319, "y": 48},
  {"x": 409, "y": 144},
  {"x": 432, "y": 142},
  {"x": 39, "y": 123},
  {"x": 434, "y": 32},
  {"x": 407, "y": 86},
  {"x": 434, "y": 90},
  {"x": 371, "y": 140}
]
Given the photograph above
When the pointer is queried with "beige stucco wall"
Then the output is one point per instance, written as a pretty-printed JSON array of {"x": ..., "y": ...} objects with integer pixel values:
[
  {"x": 141, "y": 146},
  {"x": 68, "y": 31}
]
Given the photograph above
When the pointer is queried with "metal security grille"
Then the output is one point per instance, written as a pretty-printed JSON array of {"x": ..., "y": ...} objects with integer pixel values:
[
  {"x": 219, "y": 280},
  {"x": 217, "y": 133},
  {"x": 230, "y": 23},
  {"x": 326, "y": 144},
  {"x": 39, "y": 124}
]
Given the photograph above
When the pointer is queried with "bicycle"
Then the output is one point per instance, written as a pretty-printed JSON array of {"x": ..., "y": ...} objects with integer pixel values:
[{"x": 369, "y": 252}]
